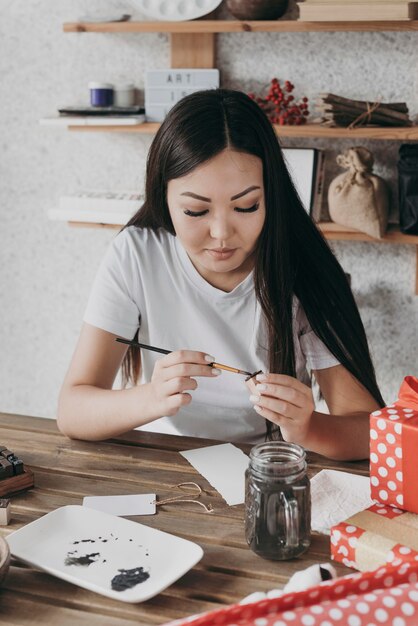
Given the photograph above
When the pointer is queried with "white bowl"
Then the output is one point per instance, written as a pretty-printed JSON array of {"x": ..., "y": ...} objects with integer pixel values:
[
  {"x": 4, "y": 559},
  {"x": 177, "y": 10}
]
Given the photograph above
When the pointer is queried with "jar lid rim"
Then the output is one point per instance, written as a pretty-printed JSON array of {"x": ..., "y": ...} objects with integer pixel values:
[{"x": 291, "y": 453}]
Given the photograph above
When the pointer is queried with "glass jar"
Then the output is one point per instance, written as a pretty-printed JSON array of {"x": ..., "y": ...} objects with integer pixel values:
[{"x": 277, "y": 501}]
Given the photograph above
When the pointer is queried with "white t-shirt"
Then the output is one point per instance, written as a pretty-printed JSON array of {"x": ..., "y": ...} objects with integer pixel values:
[{"x": 147, "y": 280}]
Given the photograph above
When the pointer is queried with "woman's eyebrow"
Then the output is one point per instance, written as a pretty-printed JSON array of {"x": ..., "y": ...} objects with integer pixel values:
[
  {"x": 239, "y": 195},
  {"x": 195, "y": 195},
  {"x": 204, "y": 199}
]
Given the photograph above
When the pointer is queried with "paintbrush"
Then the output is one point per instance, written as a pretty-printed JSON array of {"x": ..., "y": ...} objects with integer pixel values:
[{"x": 228, "y": 368}]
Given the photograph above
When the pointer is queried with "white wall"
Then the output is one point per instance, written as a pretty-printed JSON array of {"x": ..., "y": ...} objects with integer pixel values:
[{"x": 47, "y": 268}]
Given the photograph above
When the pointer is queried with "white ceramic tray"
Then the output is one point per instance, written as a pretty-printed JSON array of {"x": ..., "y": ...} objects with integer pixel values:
[{"x": 89, "y": 548}]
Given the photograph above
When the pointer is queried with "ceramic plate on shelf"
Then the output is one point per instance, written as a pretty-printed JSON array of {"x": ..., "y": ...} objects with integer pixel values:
[
  {"x": 110, "y": 555},
  {"x": 177, "y": 10}
]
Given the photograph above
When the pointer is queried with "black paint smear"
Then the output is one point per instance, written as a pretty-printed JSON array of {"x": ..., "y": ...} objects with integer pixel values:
[
  {"x": 85, "y": 560},
  {"x": 128, "y": 578}
]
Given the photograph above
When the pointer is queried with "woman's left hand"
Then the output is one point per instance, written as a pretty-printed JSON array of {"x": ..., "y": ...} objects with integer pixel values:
[{"x": 285, "y": 401}]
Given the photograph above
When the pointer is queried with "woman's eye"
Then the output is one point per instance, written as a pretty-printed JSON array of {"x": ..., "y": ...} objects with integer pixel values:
[
  {"x": 195, "y": 213},
  {"x": 251, "y": 209}
]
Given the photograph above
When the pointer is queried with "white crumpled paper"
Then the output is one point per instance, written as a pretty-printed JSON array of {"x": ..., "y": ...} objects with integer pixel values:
[{"x": 336, "y": 496}]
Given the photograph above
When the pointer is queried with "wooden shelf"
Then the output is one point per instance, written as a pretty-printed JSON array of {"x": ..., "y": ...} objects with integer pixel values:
[
  {"x": 147, "y": 128},
  {"x": 235, "y": 26},
  {"x": 304, "y": 131},
  {"x": 336, "y": 232},
  {"x": 370, "y": 132},
  {"x": 331, "y": 231}
]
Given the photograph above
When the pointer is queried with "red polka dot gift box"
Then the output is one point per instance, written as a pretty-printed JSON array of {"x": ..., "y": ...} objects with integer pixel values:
[
  {"x": 375, "y": 537},
  {"x": 394, "y": 450},
  {"x": 388, "y": 595}
]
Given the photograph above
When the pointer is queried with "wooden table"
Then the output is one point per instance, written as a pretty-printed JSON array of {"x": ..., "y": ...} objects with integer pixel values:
[{"x": 66, "y": 471}]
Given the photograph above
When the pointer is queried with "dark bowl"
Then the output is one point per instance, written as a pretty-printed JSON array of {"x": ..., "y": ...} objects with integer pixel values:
[{"x": 257, "y": 9}]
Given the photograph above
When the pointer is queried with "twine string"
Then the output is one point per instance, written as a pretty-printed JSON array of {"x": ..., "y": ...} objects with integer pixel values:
[
  {"x": 366, "y": 116},
  {"x": 180, "y": 498}
]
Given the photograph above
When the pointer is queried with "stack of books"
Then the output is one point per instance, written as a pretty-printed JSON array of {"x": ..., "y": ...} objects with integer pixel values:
[
  {"x": 357, "y": 10},
  {"x": 100, "y": 207},
  {"x": 96, "y": 116},
  {"x": 338, "y": 111}
]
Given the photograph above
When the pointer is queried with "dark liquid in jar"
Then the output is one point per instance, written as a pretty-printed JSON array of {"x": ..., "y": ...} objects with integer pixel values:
[{"x": 266, "y": 517}]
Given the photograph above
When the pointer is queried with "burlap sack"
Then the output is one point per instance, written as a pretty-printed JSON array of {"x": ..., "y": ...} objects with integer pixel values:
[{"x": 359, "y": 199}]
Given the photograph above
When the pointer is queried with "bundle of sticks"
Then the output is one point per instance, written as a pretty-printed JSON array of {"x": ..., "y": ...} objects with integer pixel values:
[{"x": 339, "y": 111}]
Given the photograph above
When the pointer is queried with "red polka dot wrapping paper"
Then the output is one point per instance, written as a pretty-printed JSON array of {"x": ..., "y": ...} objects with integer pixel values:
[
  {"x": 388, "y": 595},
  {"x": 374, "y": 537},
  {"x": 394, "y": 450}
]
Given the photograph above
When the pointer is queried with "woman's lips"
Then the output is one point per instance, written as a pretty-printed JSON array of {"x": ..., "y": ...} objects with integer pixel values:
[{"x": 221, "y": 253}]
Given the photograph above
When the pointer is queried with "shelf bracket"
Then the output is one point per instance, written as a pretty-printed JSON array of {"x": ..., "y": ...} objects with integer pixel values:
[{"x": 195, "y": 50}]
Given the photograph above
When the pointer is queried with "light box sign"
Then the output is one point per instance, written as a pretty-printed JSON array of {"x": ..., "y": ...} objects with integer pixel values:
[{"x": 163, "y": 88}]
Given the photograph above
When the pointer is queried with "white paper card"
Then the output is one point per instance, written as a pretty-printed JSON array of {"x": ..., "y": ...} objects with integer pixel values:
[
  {"x": 301, "y": 165},
  {"x": 337, "y": 496},
  {"x": 140, "y": 504},
  {"x": 224, "y": 467}
]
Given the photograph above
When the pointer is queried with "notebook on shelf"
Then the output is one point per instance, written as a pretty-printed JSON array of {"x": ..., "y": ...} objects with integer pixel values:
[
  {"x": 106, "y": 111},
  {"x": 307, "y": 167}
]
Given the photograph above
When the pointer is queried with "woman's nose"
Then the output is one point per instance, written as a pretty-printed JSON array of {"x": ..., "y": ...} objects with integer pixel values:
[{"x": 220, "y": 229}]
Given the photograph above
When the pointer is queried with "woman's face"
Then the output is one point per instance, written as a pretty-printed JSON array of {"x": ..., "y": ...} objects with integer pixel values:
[{"x": 218, "y": 213}]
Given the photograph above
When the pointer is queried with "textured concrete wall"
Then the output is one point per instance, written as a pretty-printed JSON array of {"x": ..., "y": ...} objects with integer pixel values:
[{"x": 47, "y": 268}]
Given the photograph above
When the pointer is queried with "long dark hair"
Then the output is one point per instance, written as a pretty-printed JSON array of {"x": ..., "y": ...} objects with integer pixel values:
[{"x": 292, "y": 259}]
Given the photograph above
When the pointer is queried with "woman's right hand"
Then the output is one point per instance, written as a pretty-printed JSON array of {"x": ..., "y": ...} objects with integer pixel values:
[
  {"x": 89, "y": 407},
  {"x": 173, "y": 376}
]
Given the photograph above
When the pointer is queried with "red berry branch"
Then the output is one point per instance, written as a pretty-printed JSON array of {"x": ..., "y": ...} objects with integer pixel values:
[{"x": 280, "y": 106}]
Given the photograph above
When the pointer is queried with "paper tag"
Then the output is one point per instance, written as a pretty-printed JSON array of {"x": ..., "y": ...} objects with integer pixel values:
[
  {"x": 140, "y": 504},
  {"x": 224, "y": 467}
]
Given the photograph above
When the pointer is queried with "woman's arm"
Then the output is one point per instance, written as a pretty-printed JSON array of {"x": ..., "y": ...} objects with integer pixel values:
[
  {"x": 345, "y": 433},
  {"x": 89, "y": 408},
  {"x": 342, "y": 435}
]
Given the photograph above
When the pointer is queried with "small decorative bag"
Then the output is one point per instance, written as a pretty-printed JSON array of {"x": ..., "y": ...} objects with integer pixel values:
[{"x": 358, "y": 198}]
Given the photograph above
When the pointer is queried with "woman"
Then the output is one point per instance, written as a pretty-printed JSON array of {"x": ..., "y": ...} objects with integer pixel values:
[{"x": 222, "y": 263}]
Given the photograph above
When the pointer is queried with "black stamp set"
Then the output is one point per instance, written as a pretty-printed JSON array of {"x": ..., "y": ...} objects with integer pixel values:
[
  {"x": 10, "y": 464},
  {"x": 14, "y": 475}
]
